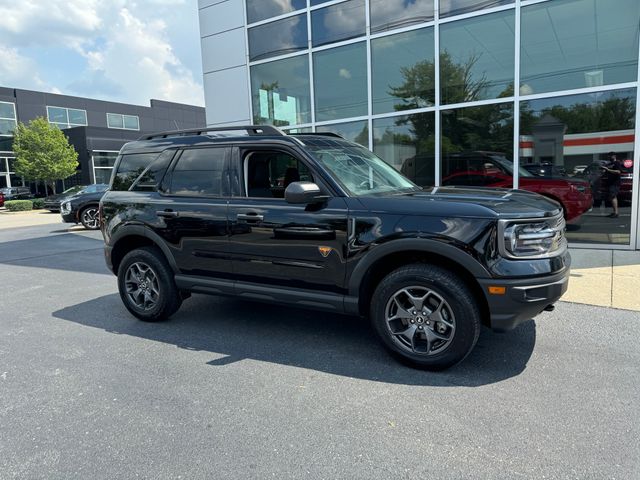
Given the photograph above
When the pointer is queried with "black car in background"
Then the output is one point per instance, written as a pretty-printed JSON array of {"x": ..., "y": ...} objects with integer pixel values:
[
  {"x": 83, "y": 207},
  {"x": 52, "y": 202}
]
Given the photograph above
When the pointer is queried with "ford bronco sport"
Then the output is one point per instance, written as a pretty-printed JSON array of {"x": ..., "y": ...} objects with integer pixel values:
[{"x": 312, "y": 220}]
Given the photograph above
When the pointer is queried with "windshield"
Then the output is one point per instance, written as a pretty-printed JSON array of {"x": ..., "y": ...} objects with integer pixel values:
[
  {"x": 507, "y": 166},
  {"x": 359, "y": 171},
  {"x": 76, "y": 189}
]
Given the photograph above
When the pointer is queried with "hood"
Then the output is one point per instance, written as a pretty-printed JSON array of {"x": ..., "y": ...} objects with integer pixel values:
[{"x": 466, "y": 202}]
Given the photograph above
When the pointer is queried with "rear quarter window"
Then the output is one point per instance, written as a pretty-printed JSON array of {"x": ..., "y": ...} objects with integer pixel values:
[{"x": 129, "y": 169}]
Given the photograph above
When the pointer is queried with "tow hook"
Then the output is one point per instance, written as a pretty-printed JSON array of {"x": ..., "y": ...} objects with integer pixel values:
[{"x": 549, "y": 308}]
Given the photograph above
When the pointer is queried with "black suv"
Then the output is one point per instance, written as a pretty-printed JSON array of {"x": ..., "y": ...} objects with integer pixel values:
[{"x": 312, "y": 220}]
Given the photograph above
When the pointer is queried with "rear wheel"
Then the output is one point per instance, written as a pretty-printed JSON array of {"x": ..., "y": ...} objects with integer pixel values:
[
  {"x": 146, "y": 285},
  {"x": 89, "y": 218},
  {"x": 426, "y": 316}
]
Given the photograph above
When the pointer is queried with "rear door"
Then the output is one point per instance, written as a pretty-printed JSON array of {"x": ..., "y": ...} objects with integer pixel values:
[
  {"x": 277, "y": 243},
  {"x": 192, "y": 208}
]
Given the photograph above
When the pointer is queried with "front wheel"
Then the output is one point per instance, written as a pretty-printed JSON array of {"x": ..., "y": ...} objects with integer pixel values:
[
  {"x": 89, "y": 218},
  {"x": 426, "y": 316}
]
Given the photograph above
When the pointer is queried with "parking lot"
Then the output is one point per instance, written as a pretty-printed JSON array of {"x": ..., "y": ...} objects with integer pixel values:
[{"x": 233, "y": 389}]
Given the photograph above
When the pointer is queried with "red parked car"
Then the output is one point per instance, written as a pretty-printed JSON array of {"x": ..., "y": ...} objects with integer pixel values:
[
  {"x": 488, "y": 169},
  {"x": 1, "y": 199}
]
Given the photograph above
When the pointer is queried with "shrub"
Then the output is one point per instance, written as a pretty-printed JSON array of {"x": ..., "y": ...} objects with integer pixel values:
[
  {"x": 38, "y": 203},
  {"x": 18, "y": 205}
]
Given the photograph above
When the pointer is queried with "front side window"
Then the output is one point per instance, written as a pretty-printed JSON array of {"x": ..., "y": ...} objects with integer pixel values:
[
  {"x": 358, "y": 170},
  {"x": 268, "y": 174},
  {"x": 198, "y": 172}
]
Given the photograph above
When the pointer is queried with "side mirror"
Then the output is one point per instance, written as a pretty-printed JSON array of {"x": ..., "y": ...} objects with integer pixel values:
[{"x": 304, "y": 193}]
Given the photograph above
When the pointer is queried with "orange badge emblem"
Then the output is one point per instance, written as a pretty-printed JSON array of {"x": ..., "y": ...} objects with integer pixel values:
[{"x": 324, "y": 251}]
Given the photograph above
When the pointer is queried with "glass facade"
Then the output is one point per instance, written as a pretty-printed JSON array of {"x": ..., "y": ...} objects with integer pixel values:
[
  {"x": 429, "y": 86},
  {"x": 66, "y": 117},
  {"x": 7, "y": 118}
]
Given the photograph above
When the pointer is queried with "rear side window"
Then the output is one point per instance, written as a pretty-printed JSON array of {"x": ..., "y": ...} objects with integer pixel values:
[
  {"x": 129, "y": 169},
  {"x": 199, "y": 172}
]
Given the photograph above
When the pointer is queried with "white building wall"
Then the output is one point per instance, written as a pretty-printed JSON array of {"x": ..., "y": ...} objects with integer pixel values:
[{"x": 224, "y": 62}]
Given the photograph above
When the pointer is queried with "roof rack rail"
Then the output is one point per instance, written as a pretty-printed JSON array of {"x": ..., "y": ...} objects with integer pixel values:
[
  {"x": 323, "y": 134},
  {"x": 250, "y": 129}
]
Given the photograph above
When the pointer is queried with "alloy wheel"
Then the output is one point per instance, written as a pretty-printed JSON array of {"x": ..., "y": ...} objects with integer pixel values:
[{"x": 141, "y": 286}]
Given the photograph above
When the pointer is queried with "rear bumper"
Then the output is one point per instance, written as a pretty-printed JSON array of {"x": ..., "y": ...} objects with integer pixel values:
[{"x": 523, "y": 299}]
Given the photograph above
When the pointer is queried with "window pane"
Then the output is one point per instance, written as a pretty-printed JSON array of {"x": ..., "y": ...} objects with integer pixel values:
[
  {"x": 103, "y": 175},
  {"x": 388, "y": 14},
  {"x": 131, "y": 122},
  {"x": 104, "y": 159},
  {"x": 280, "y": 92},
  {"x": 114, "y": 120},
  {"x": 477, "y": 58},
  {"x": 357, "y": 132},
  {"x": 408, "y": 144},
  {"x": 576, "y": 43},
  {"x": 57, "y": 114},
  {"x": 199, "y": 172},
  {"x": 278, "y": 38},
  {"x": 338, "y": 22},
  {"x": 152, "y": 177},
  {"x": 7, "y": 110},
  {"x": 7, "y": 127},
  {"x": 77, "y": 117},
  {"x": 403, "y": 71},
  {"x": 575, "y": 134},
  {"x": 130, "y": 168},
  {"x": 261, "y": 9},
  {"x": 341, "y": 82},
  {"x": 449, "y": 8},
  {"x": 477, "y": 146}
]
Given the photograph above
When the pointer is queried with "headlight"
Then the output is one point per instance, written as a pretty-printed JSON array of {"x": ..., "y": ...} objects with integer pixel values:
[
  {"x": 65, "y": 208},
  {"x": 532, "y": 238}
]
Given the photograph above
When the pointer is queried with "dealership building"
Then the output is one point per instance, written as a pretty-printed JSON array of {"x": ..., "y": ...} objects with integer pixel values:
[
  {"x": 96, "y": 129},
  {"x": 450, "y": 92}
]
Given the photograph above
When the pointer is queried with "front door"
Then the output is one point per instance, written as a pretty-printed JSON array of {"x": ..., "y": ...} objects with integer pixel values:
[{"x": 276, "y": 243}]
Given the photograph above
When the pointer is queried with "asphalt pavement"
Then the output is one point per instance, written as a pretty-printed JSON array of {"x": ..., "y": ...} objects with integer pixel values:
[{"x": 233, "y": 389}]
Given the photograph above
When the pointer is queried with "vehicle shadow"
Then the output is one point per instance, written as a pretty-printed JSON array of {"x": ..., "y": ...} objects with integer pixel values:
[{"x": 330, "y": 343}]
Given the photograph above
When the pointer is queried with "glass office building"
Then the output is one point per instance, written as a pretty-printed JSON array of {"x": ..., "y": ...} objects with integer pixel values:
[{"x": 534, "y": 94}]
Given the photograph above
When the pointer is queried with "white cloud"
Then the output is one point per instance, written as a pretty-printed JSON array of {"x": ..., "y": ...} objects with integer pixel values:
[
  {"x": 125, "y": 51},
  {"x": 345, "y": 73}
]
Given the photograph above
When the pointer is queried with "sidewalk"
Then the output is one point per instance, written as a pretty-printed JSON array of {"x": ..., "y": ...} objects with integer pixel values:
[
  {"x": 609, "y": 278},
  {"x": 27, "y": 219}
]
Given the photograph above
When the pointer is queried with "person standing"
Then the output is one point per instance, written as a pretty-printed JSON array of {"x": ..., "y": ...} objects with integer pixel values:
[{"x": 613, "y": 172}]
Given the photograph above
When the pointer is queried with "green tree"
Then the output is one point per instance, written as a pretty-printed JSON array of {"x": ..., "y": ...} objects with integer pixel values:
[{"x": 43, "y": 152}]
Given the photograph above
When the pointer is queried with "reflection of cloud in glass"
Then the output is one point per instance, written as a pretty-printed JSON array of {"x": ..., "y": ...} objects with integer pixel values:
[
  {"x": 394, "y": 13},
  {"x": 345, "y": 19},
  {"x": 278, "y": 38},
  {"x": 260, "y": 9},
  {"x": 457, "y": 7},
  {"x": 344, "y": 73}
]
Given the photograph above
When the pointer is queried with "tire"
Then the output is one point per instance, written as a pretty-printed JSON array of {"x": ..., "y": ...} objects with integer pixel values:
[
  {"x": 441, "y": 337},
  {"x": 89, "y": 217},
  {"x": 146, "y": 285}
]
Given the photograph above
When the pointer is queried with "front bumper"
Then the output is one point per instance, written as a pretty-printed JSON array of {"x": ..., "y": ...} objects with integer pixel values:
[
  {"x": 69, "y": 217},
  {"x": 523, "y": 299}
]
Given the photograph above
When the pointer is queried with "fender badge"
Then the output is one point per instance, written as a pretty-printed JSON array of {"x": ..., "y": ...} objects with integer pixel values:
[{"x": 325, "y": 251}]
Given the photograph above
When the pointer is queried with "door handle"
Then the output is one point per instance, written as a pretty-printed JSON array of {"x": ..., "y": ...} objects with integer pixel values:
[
  {"x": 250, "y": 217},
  {"x": 167, "y": 213}
]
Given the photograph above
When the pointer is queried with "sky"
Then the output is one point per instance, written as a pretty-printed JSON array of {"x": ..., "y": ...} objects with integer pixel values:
[{"x": 119, "y": 50}]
